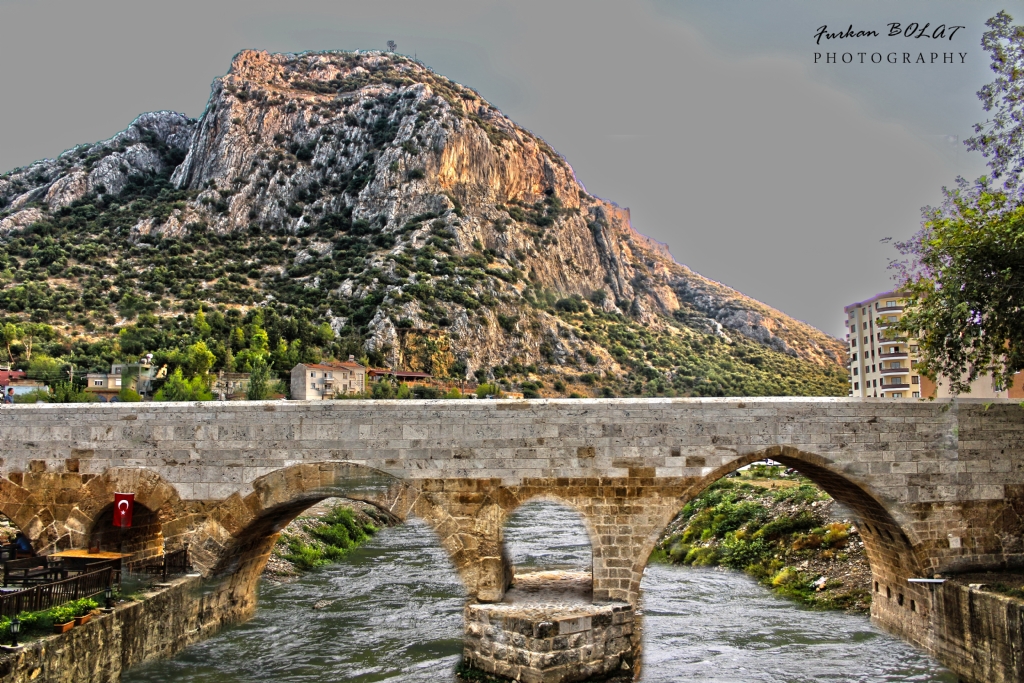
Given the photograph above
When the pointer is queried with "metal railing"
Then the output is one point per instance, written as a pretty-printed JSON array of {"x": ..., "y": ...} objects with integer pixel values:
[
  {"x": 172, "y": 563},
  {"x": 47, "y": 595}
]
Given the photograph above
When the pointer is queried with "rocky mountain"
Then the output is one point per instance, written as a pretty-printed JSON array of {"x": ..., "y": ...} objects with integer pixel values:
[{"x": 364, "y": 193}]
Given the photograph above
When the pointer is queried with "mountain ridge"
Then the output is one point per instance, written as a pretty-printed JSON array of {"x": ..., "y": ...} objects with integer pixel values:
[{"x": 408, "y": 213}]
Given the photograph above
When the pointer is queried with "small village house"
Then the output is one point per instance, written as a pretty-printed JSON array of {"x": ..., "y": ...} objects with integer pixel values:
[
  {"x": 107, "y": 385},
  {"x": 314, "y": 381}
]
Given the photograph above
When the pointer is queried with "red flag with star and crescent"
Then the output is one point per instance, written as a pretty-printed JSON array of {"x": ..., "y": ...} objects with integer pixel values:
[{"x": 123, "y": 504}]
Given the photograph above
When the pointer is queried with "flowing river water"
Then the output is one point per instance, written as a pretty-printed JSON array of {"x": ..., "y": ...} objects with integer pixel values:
[{"x": 397, "y": 616}]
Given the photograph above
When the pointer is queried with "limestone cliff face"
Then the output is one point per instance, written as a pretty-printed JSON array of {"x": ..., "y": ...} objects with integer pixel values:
[{"x": 377, "y": 146}]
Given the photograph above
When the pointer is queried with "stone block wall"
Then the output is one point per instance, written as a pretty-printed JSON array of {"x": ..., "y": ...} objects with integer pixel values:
[
  {"x": 551, "y": 643},
  {"x": 103, "y": 649},
  {"x": 977, "y": 634}
]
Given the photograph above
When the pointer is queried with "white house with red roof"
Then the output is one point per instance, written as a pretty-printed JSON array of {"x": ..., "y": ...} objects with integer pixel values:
[{"x": 315, "y": 381}]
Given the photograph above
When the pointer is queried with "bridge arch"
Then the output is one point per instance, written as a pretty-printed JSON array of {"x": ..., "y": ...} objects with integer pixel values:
[
  {"x": 16, "y": 505},
  {"x": 240, "y": 531},
  {"x": 892, "y": 553},
  {"x": 573, "y": 571}
]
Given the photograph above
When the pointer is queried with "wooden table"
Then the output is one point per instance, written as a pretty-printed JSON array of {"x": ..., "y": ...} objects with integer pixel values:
[{"x": 77, "y": 558}]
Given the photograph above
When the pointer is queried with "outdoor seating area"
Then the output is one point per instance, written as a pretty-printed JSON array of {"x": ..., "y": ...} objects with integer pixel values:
[
  {"x": 31, "y": 571},
  {"x": 168, "y": 564}
]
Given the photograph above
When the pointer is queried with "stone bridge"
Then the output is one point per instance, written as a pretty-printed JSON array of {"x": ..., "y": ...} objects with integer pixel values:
[{"x": 938, "y": 487}]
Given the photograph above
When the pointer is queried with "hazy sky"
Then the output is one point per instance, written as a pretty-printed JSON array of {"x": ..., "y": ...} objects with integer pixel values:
[{"x": 708, "y": 119}]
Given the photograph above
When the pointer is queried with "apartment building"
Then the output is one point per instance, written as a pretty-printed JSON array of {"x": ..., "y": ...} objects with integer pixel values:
[
  {"x": 886, "y": 367},
  {"x": 880, "y": 366}
]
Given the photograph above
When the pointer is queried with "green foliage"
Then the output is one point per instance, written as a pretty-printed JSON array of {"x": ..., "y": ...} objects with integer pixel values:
[
  {"x": 486, "y": 389},
  {"x": 46, "y": 369},
  {"x": 334, "y": 536},
  {"x": 177, "y": 388},
  {"x": 66, "y": 392},
  {"x": 39, "y": 623},
  {"x": 731, "y": 525},
  {"x": 259, "y": 381},
  {"x": 962, "y": 296},
  {"x": 35, "y": 396},
  {"x": 198, "y": 359},
  {"x": 128, "y": 395}
]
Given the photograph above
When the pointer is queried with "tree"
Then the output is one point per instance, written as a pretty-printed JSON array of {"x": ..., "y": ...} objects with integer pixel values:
[
  {"x": 964, "y": 272},
  {"x": 199, "y": 359},
  {"x": 67, "y": 392},
  {"x": 9, "y": 334},
  {"x": 200, "y": 325},
  {"x": 128, "y": 395},
  {"x": 1001, "y": 138},
  {"x": 47, "y": 369},
  {"x": 259, "y": 381},
  {"x": 177, "y": 388}
]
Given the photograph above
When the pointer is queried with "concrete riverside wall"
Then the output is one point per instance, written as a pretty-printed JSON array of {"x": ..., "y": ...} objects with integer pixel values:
[
  {"x": 103, "y": 649},
  {"x": 977, "y": 634},
  {"x": 551, "y": 643}
]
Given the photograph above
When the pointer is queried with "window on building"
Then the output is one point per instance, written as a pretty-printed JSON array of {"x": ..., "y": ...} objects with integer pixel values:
[
  {"x": 897, "y": 394},
  {"x": 312, "y": 385},
  {"x": 865, "y": 326},
  {"x": 916, "y": 394},
  {"x": 915, "y": 380},
  {"x": 855, "y": 372},
  {"x": 864, "y": 310},
  {"x": 872, "y": 368},
  {"x": 874, "y": 382},
  {"x": 97, "y": 383},
  {"x": 853, "y": 342},
  {"x": 854, "y": 356},
  {"x": 913, "y": 348},
  {"x": 312, "y": 374},
  {"x": 853, "y": 328},
  {"x": 890, "y": 304},
  {"x": 865, "y": 340}
]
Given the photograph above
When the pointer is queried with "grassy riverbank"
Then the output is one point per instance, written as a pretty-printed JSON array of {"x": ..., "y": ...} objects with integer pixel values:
[
  {"x": 781, "y": 530},
  {"x": 324, "y": 533}
]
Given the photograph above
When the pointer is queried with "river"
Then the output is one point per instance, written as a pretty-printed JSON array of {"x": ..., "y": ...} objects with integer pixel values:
[{"x": 397, "y": 616}]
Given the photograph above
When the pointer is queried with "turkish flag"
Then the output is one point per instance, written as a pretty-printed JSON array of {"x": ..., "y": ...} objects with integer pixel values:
[{"x": 123, "y": 504}]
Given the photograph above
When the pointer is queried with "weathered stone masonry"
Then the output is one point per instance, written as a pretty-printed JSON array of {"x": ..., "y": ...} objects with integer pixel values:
[{"x": 938, "y": 486}]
